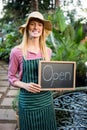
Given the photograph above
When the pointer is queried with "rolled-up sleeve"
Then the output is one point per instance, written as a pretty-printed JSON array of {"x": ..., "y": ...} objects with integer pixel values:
[{"x": 13, "y": 69}]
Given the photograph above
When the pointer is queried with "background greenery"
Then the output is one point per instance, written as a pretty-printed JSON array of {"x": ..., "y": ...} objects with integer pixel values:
[{"x": 65, "y": 39}]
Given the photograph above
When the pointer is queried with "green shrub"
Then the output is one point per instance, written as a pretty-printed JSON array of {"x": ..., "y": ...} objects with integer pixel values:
[{"x": 10, "y": 40}]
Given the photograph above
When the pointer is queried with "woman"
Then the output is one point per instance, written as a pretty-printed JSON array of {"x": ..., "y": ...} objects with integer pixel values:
[{"x": 35, "y": 106}]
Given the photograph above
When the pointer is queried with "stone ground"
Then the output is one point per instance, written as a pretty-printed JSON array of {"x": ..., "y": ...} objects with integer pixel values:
[{"x": 7, "y": 94}]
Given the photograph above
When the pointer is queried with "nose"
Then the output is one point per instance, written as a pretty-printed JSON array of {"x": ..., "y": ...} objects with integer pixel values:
[{"x": 36, "y": 26}]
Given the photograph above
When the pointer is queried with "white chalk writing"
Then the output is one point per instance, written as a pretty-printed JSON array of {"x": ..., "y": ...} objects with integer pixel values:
[{"x": 50, "y": 76}]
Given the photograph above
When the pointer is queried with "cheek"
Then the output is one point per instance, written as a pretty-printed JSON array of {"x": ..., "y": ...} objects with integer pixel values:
[
  {"x": 42, "y": 29},
  {"x": 30, "y": 32},
  {"x": 30, "y": 28}
]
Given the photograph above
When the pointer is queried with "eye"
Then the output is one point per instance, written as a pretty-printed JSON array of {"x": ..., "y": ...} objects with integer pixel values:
[
  {"x": 31, "y": 23},
  {"x": 40, "y": 24}
]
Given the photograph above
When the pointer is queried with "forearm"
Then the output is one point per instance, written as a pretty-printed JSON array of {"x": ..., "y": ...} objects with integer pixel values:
[
  {"x": 31, "y": 87},
  {"x": 19, "y": 84}
]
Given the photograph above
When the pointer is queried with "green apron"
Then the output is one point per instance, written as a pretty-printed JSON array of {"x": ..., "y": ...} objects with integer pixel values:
[{"x": 36, "y": 110}]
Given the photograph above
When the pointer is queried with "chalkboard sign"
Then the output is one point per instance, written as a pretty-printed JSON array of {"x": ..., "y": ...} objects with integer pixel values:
[{"x": 57, "y": 75}]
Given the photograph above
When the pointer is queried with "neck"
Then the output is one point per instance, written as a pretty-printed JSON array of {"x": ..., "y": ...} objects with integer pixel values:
[
  {"x": 33, "y": 41},
  {"x": 33, "y": 45}
]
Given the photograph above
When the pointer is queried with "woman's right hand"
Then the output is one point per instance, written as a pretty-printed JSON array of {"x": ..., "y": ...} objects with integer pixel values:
[{"x": 32, "y": 87}]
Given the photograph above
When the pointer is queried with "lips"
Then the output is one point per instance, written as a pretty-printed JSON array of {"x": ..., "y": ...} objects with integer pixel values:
[{"x": 35, "y": 32}]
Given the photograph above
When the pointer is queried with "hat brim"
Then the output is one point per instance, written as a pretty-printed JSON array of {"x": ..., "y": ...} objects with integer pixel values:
[{"x": 47, "y": 25}]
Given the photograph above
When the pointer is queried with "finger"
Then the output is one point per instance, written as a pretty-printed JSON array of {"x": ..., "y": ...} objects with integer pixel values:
[
  {"x": 36, "y": 85},
  {"x": 34, "y": 88}
]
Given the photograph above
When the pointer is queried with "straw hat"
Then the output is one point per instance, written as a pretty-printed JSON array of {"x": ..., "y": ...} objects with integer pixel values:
[{"x": 37, "y": 15}]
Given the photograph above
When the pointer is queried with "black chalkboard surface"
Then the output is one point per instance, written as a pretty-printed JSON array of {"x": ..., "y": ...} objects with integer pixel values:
[{"x": 57, "y": 75}]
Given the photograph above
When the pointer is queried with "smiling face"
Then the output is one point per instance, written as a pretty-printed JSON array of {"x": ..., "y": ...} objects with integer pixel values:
[{"x": 35, "y": 28}]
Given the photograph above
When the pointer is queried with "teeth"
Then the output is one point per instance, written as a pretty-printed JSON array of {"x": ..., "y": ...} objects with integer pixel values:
[{"x": 35, "y": 32}]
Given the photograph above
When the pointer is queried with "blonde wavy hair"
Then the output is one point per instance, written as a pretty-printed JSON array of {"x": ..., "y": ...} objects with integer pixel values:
[{"x": 42, "y": 44}]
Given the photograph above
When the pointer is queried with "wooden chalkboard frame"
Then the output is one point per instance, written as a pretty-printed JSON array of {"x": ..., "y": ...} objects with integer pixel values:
[{"x": 57, "y": 62}]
